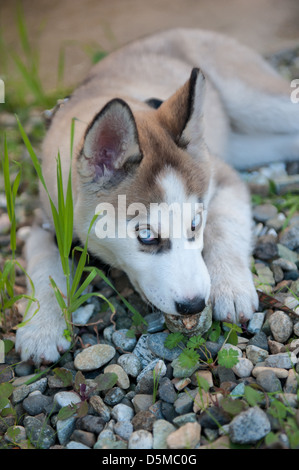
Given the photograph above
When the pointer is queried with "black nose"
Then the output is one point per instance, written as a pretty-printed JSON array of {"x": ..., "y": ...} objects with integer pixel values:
[{"x": 191, "y": 306}]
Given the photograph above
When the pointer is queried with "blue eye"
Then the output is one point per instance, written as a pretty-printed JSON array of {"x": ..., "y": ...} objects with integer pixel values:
[
  {"x": 147, "y": 236},
  {"x": 196, "y": 222}
]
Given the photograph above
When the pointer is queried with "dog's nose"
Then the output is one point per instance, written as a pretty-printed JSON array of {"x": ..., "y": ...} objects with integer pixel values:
[{"x": 191, "y": 306}]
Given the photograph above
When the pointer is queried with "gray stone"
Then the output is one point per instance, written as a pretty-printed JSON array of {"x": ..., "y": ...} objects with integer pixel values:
[
  {"x": 256, "y": 322},
  {"x": 281, "y": 360},
  {"x": 281, "y": 326},
  {"x": 123, "y": 429},
  {"x": 266, "y": 248},
  {"x": 259, "y": 340},
  {"x": 94, "y": 357},
  {"x": 66, "y": 398},
  {"x": 158, "y": 365},
  {"x": 249, "y": 426},
  {"x": 121, "y": 412},
  {"x": 269, "y": 381},
  {"x": 155, "y": 322},
  {"x": 264, "y": 212},
  {"x": 65, "y": 428},
  {"x": 256, "y": 354},
  {"x": 41, "y": 435},
  {"x": 142, "y": 351},
  {"x": 243, "y": 368},
  {"x": 130, "y": 363},
  {"x": 142, "y": 402},
  {"x": 23, "y": 391},
  {"x": 122, "y": 341},
  {"x": 290, "y": 238},
  {"x": 36, "y": 403},
  {"x": 156, "y": 345},
  {"x": 184, "y": 402},
  {"x": 114, "y": 396},
  {"x": 167, "y": 391},
  {"x": 161, "y": 430},
  {"x": 140, "y": 439},
  {"x": 76, "y": 445},
  {"x": 285, "y": 264},
  {"x": 100, "y": 407}
]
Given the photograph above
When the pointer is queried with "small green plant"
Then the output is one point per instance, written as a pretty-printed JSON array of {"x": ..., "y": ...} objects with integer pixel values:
[
  {"x": 194, "y": 349},
  {"x": 83, "y": 390}
]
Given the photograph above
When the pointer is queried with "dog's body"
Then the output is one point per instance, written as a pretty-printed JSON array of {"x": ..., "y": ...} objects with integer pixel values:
[{"x": 240, "y": 115}]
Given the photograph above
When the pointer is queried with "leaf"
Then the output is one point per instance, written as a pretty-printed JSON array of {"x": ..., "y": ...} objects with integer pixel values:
[
  {"x": 106, "y": 381},
  {"x": 173, "y": 340},
  {"x": 64, "y": 375},
  {"x": 253, "y": 397},
  {"x": 233, "y": 406},
  {"x": 6, "y": 390},
  {"x": 195, "y": 342},
  {"x": 188, "y": 358},
  {"x": 215, "y": 331},
  {"x": 228, "y": 358},
  {"x": 271, "y": 438},
  {"x": 79, "y": 380},
  {"x": 202, "y": 383},
  {"x": 66, "y": 412},
  {"x": 8, "y": 345},
  {"x": 82, "y": 409}
]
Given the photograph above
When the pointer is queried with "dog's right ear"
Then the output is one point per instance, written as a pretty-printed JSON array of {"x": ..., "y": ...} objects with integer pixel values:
[{"x": 111, "y": 144}]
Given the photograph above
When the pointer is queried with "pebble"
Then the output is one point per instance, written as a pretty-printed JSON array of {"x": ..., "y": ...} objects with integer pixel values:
[
  {"x": 167, "y": 391},
  {"x": 290, "y": 238},
  {"x": 156, "y": 365},
  {"x": 259, "y": 340},
  {"x": 155, "y": 322},
  {"x": 264, "y": 212},
  {"x": 281, "y": 360},
  {"x": 65, "y": 429},
  {"x": 144, "y": 420},
  {"x": 73, "y": 445},
  {"x": 269, "y": 381},
  {"x": 186, "y": 437},
  {"x": 130, "y": 363},
  {"x": 161, "y": 430},
  {"x": 156, "y": 345},
  {"x": 256, "y": 354},
  {"x": 142, "y": 351},
  {"x": 124, "y": 429},
  {"x": 36, "y": 403},
  {"x": 94, "y": 357},
  {"x": 184, "y": 402},
  {"x": 249, "y": 426},
  {"x": 279, "y": 372},
  {"x": 123, "y": 379},
  {"x": 266, "y": 248},
  {"x": 256, "y": 322},
  {"x": 140, "y": 439},
  {"x": 21, "y": 392},
  {"x": 19, "y": 434},
  {"x": 281, "y": 326},
  {"x": 114, "y": 396},
  {"x": 122, "y": 412},
  {"x": 83, "y": 437},
  {"x": 142, "y": 402},
  {"x": 41, "y": 434},
  {"x": 100, "y": 407},
  {"x": 66, "y": 398},
  {"x": 243, "y": 368},
  {"x": 122, "y": 341}
]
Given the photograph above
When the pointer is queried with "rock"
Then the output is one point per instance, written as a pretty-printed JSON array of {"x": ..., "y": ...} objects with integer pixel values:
[
  {"x": 259, "y": 340},
  {"x": 280, "y": 373},
  {"x": 256, "y": 322},
  {"x": 213, "y": 417},
  {"x": 155, "y": 322},
  {"x": 130, "y": 363},
  {"x": 83, "y": 437},
  {"x": 64, "y": 429},
  {"x": 281, "y": 360},
  {"x": 156, "y": 367},
  {"x": 204, "y": 374},
  {"x": 94, "y": 357},
  {"x": 186, "y": 437},
  {"x": 123, "y": 429},
  {"x": 196, "y": 324},
  {"x": 144, "y": 420},
  {"x": 142, "y": 402},
  {"x": 266, "y": 248},
  {"x": 269, "y": 381},
  {"x": 100, "y": 407},
  {"x": 156, "y": 345},
  {"x": 123, "y": 379},
  {"x": 249, "y": 426},
  {"x": 291, "y": 384},
  {"x": 290, "y": 238},
  {"x": 281, "y": 326},
  {"x": 167, "y": 391},
  {"x": 114, "y": 396},
  {"x": 122, "y": 341},
  {"x": 184, "y": 402},
  {"x": 182, "y": 372},
  {"x": 82, "y": 315},
  {"x": 255, "y": 354},
  {"x": 42, "y": 436},
  {"x": 121, "y": 412},
  {"x": 285, "y": 264},
  {"x": 296, "y": 328},
  {"x": 76, "y": 445},
  {"x": 90, "y": 423},
  {"x": 186, "y": 418},
  {"x": 140, "y": 439},
  {"x": 24, "y": 368},
  {"x": 161, "y": 430},
  {"x": 66, "y": 398},
  {"x": 16, "y": 435},
  {"x": 264, "y": 212},
  {"x": 276, "y": 222},
  {"x": 142, "y": 351},
  {"x": 36, "y": 403},
  {"x": 285, "y": 253},
  {"x": 265, "y": 276},
  {"x": 23, "y": 391}
]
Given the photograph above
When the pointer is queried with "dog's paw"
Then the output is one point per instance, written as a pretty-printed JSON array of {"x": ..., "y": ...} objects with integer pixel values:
[
  {"x": 41, "y": 343},
  {"x": 234, "y": 301}
]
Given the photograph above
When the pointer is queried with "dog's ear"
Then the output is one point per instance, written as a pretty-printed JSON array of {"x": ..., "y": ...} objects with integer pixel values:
[
  {"x": 111, "y": 144},
  {"x": 182, "y": 113}
]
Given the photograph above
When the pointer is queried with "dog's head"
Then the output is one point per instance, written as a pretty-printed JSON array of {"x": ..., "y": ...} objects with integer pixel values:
[{"x": 147, "y": 173}]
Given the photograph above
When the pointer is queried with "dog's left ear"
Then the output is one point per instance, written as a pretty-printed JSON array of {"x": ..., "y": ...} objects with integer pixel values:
[
  {"x": 182, "y": 113},
  {"x": 110, "y": 143}
]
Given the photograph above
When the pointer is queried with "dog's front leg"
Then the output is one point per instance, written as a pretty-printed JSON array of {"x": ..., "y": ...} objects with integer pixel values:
[
  {"x": 41, "y": 339},
  {"x": 227, "y": 249}
]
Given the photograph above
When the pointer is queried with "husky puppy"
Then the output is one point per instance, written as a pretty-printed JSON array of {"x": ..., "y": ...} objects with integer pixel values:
[{"x": 162, "y": 122}]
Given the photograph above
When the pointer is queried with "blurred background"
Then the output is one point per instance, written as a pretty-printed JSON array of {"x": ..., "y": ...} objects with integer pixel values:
[{"x": 71, "y": 32}]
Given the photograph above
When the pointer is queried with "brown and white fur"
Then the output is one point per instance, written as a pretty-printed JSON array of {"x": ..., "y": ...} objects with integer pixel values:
[{"x": 223, "y": 107}]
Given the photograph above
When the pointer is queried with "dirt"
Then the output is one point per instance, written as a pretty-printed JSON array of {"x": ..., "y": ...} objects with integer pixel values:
[{"x": 76, "y": 26}]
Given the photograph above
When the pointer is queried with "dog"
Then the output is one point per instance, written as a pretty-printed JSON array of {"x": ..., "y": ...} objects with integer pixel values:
[{"x": 168, "y": 119}]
